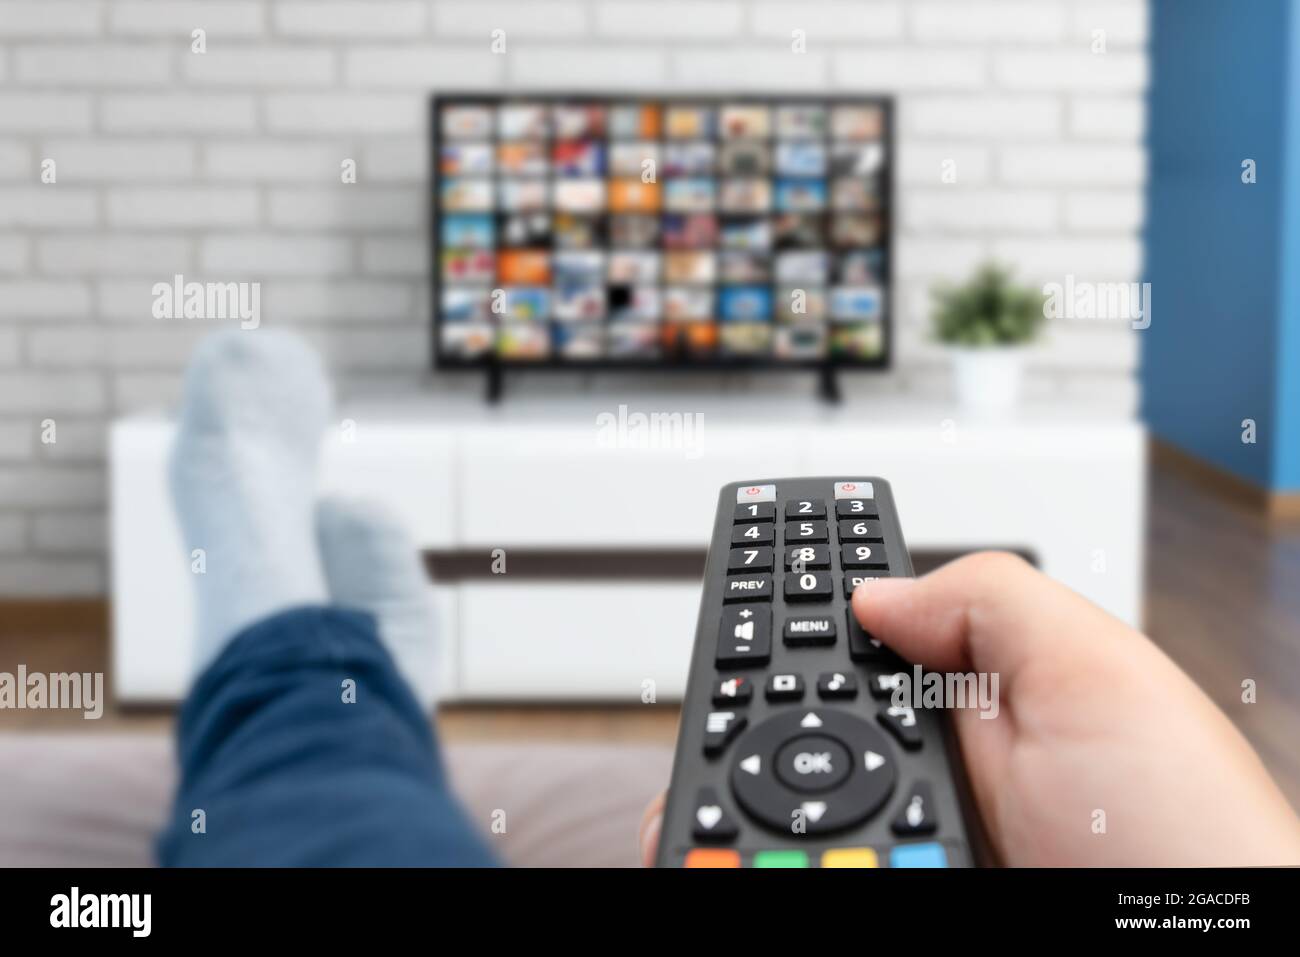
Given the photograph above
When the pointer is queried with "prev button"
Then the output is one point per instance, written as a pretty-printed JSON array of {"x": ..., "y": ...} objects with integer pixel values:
[{"x": 748, "y": 588}]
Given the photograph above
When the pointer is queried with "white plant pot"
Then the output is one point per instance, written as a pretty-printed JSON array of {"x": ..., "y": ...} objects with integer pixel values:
[{"x": 988, "y": 378}]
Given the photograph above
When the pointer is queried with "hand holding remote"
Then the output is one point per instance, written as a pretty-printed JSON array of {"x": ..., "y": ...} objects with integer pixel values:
[{"x": 1093, "y": 718}]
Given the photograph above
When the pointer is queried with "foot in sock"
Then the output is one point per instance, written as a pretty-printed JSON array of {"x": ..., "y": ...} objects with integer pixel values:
[
  {"x": 371, "y": 565},
  {"x": 243, "y": 478}
]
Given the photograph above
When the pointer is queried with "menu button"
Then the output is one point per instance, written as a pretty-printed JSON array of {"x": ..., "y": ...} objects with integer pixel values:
[{"x": 811, "y": 630}]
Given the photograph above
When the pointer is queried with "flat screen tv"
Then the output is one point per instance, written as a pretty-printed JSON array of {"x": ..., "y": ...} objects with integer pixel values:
[{"x": 578, "y": 231}]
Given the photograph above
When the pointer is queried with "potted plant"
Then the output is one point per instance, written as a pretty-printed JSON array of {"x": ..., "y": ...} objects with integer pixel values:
[{"x": 987, "y": 323}]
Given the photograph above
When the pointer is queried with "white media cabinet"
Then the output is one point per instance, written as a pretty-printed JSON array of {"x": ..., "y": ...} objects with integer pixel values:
[{"x": 603, "y": 540}]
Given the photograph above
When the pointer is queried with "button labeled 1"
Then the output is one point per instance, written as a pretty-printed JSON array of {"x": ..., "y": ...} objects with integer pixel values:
[{"x": 754, "y": 512}]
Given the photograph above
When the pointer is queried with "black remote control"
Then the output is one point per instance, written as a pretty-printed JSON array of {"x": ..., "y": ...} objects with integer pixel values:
[{"x": 791, "y": 751}]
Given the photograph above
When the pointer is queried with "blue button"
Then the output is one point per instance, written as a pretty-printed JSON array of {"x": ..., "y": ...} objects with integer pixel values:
[{"x": 918, "y": 855}]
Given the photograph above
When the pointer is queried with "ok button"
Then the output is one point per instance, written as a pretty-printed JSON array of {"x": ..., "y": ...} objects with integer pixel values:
[{"x": 813, "y": 762}]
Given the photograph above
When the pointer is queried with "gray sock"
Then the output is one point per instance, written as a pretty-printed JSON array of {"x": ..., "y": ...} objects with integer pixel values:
[
  {"x": 372, "y": 565},
  {"x": 243, "y": 478}
]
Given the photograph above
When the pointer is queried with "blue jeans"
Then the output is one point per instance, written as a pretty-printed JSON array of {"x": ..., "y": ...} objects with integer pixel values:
[{"x": 288, "y": 774}]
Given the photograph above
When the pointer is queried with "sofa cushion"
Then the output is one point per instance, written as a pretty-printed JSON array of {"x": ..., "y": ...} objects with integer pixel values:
[{"x": 97, "y": 800}]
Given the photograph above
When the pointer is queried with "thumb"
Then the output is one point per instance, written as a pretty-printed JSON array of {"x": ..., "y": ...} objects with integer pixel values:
[{"x": 986, "y": 612}]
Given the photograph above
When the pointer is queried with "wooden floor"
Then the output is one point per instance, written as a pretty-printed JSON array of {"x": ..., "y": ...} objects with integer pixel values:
[{"x": 1223, "y": 599}]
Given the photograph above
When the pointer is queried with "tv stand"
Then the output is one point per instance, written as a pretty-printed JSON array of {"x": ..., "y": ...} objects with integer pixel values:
[
  {"x": 588, "y": 528},
  {"x": 828, "y": 386}
]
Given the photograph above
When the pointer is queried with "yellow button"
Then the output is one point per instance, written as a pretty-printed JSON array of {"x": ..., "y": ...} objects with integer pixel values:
[{"x": 850, "y": 857}]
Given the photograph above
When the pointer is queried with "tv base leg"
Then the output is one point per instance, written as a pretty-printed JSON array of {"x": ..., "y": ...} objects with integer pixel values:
[
  {"x": 828, "y": 388},
  {"x": 492, "y": 386}
]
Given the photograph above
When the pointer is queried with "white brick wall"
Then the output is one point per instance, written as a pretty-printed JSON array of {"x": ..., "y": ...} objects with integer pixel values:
[{"x": 226, "y": 166}]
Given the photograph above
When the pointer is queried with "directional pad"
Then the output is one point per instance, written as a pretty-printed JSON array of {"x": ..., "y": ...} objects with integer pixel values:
[{"x": 812, "y": 771}]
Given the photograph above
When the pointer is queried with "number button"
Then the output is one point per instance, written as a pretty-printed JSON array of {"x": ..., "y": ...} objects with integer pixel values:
[
  {"x": 808, "y": 556},
  {"x": 861, "y": 530},
  {"x": 856, "y": 508},
  {"x": 805, "y": 508},
  {"x": 754, "y": 512},
  {"x": 760, "y": 534},
  {"x": 805, "y": 532},
  {"x": 808, "y": 586},
  {"x": 756, "y": 559},
  {"x": 865, "y": 556}
]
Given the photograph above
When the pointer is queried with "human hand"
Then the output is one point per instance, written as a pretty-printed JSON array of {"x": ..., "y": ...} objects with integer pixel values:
[{"x": 1093, "y": 717}]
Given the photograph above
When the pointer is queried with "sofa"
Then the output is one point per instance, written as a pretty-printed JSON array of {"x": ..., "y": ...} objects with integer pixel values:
[{"x": 96, "y": 800}]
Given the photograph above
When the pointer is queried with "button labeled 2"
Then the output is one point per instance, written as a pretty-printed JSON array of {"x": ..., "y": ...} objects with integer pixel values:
[{"x": 806, "y": 508}]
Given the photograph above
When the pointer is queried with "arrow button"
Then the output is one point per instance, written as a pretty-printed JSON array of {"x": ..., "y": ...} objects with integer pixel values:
[{"x": 815, "y": 810}]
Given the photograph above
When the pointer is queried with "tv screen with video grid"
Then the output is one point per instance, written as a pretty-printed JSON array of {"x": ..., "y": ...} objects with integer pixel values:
[{"x": 590, "y": 231}]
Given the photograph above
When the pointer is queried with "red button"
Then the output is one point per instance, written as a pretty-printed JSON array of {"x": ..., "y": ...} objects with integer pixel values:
[{"x": 712, "y": 857}]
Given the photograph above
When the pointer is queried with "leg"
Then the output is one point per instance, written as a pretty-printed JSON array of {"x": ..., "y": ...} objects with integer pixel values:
[
  {"x": 301, "y": 742},
  {"x": 303, "y": 746}
]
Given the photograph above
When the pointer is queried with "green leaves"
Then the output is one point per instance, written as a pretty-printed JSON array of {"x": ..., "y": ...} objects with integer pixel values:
[{"x": 989, "y": 310}]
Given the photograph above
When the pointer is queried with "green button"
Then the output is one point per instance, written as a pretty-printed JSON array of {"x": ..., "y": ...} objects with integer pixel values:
[{"x": 780, "y": 859}]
